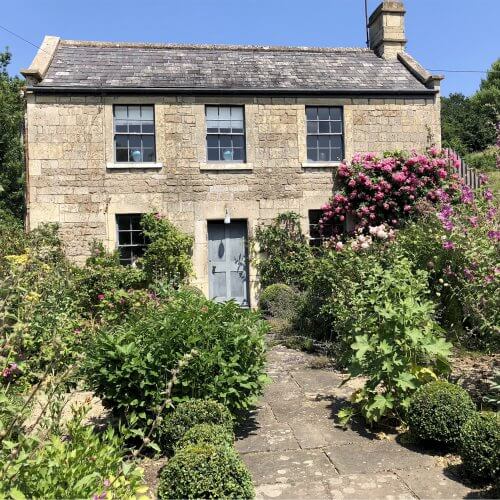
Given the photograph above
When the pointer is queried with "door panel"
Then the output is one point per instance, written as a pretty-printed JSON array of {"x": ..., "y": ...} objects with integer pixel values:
[{"x": 227, "y": 261}]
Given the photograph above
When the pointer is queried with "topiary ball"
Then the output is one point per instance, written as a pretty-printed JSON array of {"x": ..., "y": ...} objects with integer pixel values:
[
  {"x": 205, "y": 471},
  {"x": 279, "y": 301},
  {"x": 438, "y": 410},
  {"x": 480, "y": 445},
  {"x": 190, "y": 413},
  {"x": 213, "y": 434}
]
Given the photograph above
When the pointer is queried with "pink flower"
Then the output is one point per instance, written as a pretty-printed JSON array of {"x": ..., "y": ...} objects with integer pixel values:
[
  {"x": 488, "y": 195},
  {"x": 483, "y": 178},
  {"x": 473, "y": 221},
  {"x": 448, "y": 245},
  {"x": 442, "y": 173},
  {"x": 467, "y": 195},
  {"x": 339, "y": 246},
  {"x": 101, "y": 296}
]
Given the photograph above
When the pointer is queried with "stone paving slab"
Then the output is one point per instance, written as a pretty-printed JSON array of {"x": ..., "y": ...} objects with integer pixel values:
[
  {"x": 293, "y": 466},
  {"x": 376, "y": 456},
  {"x": 271, "y": 437},
  {"x": 312, "y": 490},
  {"x": 368, "y": 486},
  {"x": 435, "y": 483}
]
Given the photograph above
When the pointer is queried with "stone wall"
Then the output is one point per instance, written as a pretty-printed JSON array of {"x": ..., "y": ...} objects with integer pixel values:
[{"x": 70, "y": 144}]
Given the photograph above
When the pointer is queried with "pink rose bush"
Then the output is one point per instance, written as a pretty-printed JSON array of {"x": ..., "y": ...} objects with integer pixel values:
[{"x": 376, "y": 191}]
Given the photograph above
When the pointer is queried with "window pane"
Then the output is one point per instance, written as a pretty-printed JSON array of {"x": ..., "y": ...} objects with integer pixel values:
[
  {"x": 324, "y": 127},
  {"x": 336, "y": 113},
  {"x": 336, "y": 154},
  {"x": 323, "y": 113},
  {"x": 212, "y": 126},
  {"x": 125, "y": 254},
  {"x": 225, "y": 127},
  {"x": 238, "y": 154},
  {"x": 121, "y": 126},
  {"x": 134, "y": 141},
  {"x": 148, "y": 154},
  {"x": 135, "y": 221},
  {"x": 148, "y": 141},
  {"x": 311, "y": 113},
  {"x": 122, "y": 155},
  {"x": 237, "y": 127},
  {"x": 238, "y": 141},
  {"x": 224, "y": 113},
  {"x": 226, "y": 154},
  {"x": 134, "y": 112},
  {"x": 147, "y": 112},
  {"x": 124, "y": 238},
  {"x": 213, "y": 154},
  {"x": 121, "y": 141},
  {"x": 123, "y": 222},
  {"x": 312, "y": 154},
  {"x": 336, "y": 127},
  {"x": 324, "y": 141},
  {"x": 137, "y": 238},
  {"x": 212, "y": 141},
  {"x": 312, "y": 127},
  {"x": 120, "y": 111},
  {"x": 212, "y": 113},
  {"x": 148, "y": 128},
  {"x": 225, "y": 141},
  {"x": 336, "y": 141},
  {"x": 312, "y": 141},
  {"x": 135, "y": 155},
  {"x": 324, "y": 155},
  {"x": 134, "y": 127},
  {"x": 237, "y": 113}
]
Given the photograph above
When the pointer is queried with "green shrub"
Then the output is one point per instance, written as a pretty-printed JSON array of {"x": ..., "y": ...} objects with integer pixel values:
[
  {"x": 205, "y": 471},
  {"x": 214, "y": 434},
  {"x": 191, "y": 413},
  {"x": 78, "y": 464},
  {"x": 394, "y": 339},
  {"x": 285, "y": 254},
  {"x": 279, "y": 301},
  {"x": 438, "y": 410},
  {"x": 480, "y": 445},
  {"x": 129, "y": 363},
  {"x": 484, "y": 161},
  {"x": 168, "y": 254}
]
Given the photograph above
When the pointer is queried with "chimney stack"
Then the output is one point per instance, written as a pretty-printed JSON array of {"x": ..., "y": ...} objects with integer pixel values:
[{"x": 387, "y": 29}]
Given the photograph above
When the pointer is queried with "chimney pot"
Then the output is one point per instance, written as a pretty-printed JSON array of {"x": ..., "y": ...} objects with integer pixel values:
[{"x": 387, "y": 29}]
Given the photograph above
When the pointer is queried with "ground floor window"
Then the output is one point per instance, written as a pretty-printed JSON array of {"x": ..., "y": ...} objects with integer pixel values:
[
  {"x": 131, "y": 241},
  {"x": 316, "y": 236}
]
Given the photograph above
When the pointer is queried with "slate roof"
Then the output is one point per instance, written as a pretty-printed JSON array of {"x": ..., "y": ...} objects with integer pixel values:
[{"x": 87, "y": 65}]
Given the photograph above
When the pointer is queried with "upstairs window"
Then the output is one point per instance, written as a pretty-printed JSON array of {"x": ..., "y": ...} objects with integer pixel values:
[
  {"x": 225, "y": 133},
  {"x": 316, "y": 236},
  {"x": 134, "y": 129},
  {"x": 131, "y": 240},
  {"x": 324, "y": 133}
]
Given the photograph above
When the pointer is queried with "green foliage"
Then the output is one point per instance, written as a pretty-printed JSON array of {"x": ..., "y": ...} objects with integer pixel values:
[
  {"x": 128, "y": 363},
  {"x": 76, "y": 464},
  {"x": 215, "y": 434},
  {"x": 12, "y": 412},
  {"x": 484, "y": 161},
  {"x": 438, "y": 410},
  {"x": 205, "y": 471},
  {"x": 480, "y": 445},
  {"x": 190, "y": 413},
  {"x": 11, "y": 147},
  {"x": 468, "y": 123},
  {"x": 285, "y": 255},
  {"x": 279, "y": 301},
  {"x": 168, "y": 254},
  {"x": 395, "y": 341}
]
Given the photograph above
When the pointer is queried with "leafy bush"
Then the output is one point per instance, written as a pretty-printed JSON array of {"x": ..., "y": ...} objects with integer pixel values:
[
  {"x": 214, "y": 434},
  {"x": 191, "y": 413},
  {"x": 438, "y": 410},
  {"x": 205, "y": 471},
  {"x": 484, "y": 161},
  {"x": 285, "y": 255},
  {"x": 128, "y": 364},
  {"x": 168, "y": 254},
  {"x": 376, "y": 190},
  {"x": 396, "y": 343},
  {"x": 78, "y": 464},
  {"x": 279, "y": 301},
  {"x": 480, "y": 445}
]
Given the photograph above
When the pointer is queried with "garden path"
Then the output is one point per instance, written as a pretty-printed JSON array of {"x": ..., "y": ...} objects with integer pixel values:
[{"x": 294, "y": 450}]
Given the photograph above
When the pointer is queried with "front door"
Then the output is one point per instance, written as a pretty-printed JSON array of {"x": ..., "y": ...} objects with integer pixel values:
[{"x": 227, "y": 262}]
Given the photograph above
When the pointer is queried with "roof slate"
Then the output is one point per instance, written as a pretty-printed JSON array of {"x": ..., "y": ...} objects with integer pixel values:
[{"x": 108, "y": 65}]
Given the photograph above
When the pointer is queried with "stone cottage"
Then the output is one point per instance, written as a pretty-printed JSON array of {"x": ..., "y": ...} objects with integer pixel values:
[{"x": 217, "y": 138}]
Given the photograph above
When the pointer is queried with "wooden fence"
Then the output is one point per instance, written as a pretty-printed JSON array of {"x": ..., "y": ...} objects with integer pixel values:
[{"x": 467, "y": 173}]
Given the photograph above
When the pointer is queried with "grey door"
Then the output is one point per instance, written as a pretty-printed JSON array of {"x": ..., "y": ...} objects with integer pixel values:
[{"x": 227, "y": 262}]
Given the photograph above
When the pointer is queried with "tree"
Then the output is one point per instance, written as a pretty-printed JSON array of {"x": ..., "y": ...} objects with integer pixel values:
[
  {"x": 11, "y": 147},
  {"x": 469, "y": 123}
]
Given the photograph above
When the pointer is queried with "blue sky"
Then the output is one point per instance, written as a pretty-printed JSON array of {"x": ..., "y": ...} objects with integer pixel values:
[{"x": 442, "y": 34}]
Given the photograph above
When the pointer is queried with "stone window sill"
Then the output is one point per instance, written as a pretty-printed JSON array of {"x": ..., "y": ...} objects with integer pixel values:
[
  {"x": 320, "y": 164},
  {"x": 135, "y": 166},
  {"x": 222, "y": 166}
]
